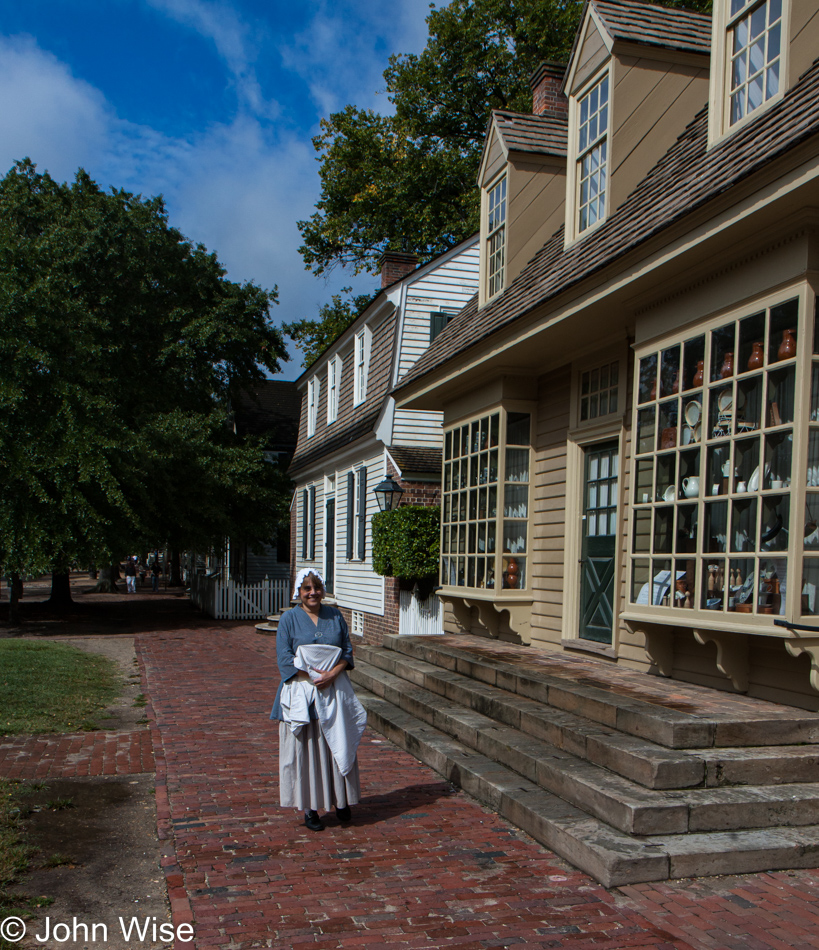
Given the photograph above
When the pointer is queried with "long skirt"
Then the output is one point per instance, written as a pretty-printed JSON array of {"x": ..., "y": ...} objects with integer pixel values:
[{"x": 308, "y": 775}]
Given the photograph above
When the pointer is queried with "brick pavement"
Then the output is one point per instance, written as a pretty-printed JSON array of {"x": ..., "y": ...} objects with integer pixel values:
[
  {"x": 422, "y": 866},
  {"x": 76, "y": 755}
]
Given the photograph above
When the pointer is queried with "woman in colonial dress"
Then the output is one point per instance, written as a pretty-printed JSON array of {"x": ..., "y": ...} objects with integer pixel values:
[{"x": 320, "y": 719}]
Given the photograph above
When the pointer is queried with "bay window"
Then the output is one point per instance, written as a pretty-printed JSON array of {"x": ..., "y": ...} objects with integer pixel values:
[
  {"x": 486, "y": 502},
  {"x": 724, "y": 513}
]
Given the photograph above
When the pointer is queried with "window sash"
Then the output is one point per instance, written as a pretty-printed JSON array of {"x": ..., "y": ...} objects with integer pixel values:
[{"x": 332, "y": 391}]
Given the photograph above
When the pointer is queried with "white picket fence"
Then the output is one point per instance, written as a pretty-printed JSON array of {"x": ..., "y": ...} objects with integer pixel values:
[
  {"x": 227, "y": 600},
  {"x": 419, "y": 618}
]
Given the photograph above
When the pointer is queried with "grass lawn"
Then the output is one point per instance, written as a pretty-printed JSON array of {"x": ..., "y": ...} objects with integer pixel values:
[
  {"x": 44, "y": 687},
  {"x": 52, "y": 687}
]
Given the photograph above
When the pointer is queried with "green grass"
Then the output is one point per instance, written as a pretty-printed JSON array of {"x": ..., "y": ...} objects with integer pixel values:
[{"x": 52, "y": 687}]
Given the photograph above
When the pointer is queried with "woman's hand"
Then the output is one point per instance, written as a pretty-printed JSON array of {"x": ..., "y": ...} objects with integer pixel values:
[{"x": 325, "y": 677}]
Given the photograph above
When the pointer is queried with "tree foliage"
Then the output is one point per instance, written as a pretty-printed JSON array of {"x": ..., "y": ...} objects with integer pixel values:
[
  {"x": 121, "y": 344},
  {"x": 406, "y": 182},
  {"x": 313, "y": 337},
  {"x": 406, "y": 541}
]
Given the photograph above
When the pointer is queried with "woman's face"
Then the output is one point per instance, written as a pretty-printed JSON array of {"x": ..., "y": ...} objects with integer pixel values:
[{"x": 311, "y": 592}]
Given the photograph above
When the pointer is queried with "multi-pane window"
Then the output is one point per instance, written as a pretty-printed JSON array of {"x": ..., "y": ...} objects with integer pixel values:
[
  {"x": 755, "y": 43},
  {"x": 312, "y": 405},
  {"x": 332, "y": 389},
  {"x": 599, "y": 392},
  {"x": 592, "y": 155},
  {"x": 495, "y": 237},
  {"x": 715, "y": 518},
  {"x": 485, "y": 515},
  {"x": 360, "y": 355}
]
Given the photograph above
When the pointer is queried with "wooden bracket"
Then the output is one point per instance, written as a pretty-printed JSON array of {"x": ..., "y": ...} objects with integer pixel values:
[
  {"x": 659, "y": 646},
  {"x": 809, "y": 646},
  {"x": 732, "y": 655}
]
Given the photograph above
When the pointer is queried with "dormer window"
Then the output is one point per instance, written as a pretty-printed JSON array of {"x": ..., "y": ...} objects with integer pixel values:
[
  {"x": 495, "y": 237},
  {"x": 361, "y": 359},
  {"x": 755, "y": 44},
  {"x": 592, "y": 155},
  {"x": 312, "y": 405},
  {"x": 333, "y": 374}
]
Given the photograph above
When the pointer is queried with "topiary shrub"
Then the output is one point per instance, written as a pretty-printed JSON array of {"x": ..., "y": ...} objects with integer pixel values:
[{"x": 406, "y": 542}]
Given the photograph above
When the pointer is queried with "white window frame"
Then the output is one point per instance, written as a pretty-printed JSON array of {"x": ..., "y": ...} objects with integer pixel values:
[
  {"x": 497, "y": 206},
  {"x": 333, "y": 383},
  {"x": 313, "y": 389},
  {"x": 590, "y": 134},
  {"x": 361, "y": 361},
  {"x": 726, "y": 18}
]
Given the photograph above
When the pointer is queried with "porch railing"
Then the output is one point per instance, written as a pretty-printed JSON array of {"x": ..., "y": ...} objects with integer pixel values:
[{"x": 228, "y": 600}]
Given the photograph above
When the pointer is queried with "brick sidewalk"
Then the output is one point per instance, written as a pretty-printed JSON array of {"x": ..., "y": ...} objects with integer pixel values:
[
  {"x": 422, "y": 866},
  {"x": 76, "y": 756}
]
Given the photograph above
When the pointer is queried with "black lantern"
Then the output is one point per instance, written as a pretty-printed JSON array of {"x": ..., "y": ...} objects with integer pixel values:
[{"x": 388, "y": 493}]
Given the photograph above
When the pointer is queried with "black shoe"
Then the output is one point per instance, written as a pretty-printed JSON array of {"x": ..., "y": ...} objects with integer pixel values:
[
  {"x": 312, "y": 821},
  {"x": 344, "y": 814}
]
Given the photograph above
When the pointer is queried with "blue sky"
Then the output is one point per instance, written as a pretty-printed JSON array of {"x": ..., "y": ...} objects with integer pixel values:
[{"x": 211, "y": 103}]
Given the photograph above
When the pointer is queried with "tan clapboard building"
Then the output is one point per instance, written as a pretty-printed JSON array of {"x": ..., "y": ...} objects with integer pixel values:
[{"x": 631, "y": 400}]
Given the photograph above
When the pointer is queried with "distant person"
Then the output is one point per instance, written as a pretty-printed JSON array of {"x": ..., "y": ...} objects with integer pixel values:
[
  {"x": 143, "y": 573},
  {"x": 156, "y": 570},
  {"x": 130, "y": 576}
]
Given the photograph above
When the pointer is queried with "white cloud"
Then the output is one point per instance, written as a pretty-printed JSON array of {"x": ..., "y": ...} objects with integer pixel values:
[
  {"x": 343, "y": 52},
  {"x": 236, "y": 43},
  {"x": 48, "y": 115}
]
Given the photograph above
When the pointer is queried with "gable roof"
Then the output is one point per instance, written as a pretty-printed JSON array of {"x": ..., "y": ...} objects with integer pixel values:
[
  {"x": 687, "y": 177},
  {"x": 634, "y": 22},
  {"x": 523, "y": 132}
]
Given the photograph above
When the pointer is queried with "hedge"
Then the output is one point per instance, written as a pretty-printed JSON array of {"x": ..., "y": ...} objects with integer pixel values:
[{"x": 406, "y": 541}]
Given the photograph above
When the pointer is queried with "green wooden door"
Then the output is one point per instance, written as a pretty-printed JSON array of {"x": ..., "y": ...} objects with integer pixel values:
[{"x": 599, "y": 542}]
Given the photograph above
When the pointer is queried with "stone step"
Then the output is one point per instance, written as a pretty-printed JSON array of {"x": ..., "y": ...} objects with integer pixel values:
[
  {"x": 621, "y": 803},
  {"x": 610, "y": 856},
  {"x": 641, "y": 761},
  {"x": 267, "y": 629},
  {"x": 644, "y": 762},
  {"x": 629, "y": 707}
]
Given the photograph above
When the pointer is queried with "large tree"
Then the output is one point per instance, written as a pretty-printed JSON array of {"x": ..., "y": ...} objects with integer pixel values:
[
  {"x": 407, "y": 181},
  {"x": 121, "y": 344},
  {"x": 313, "y": 337}
]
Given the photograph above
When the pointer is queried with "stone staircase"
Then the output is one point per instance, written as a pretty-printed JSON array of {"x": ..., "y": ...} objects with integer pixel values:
[
  {"x": 629, "y": 777},
  {"x": 268, "y": 628}
]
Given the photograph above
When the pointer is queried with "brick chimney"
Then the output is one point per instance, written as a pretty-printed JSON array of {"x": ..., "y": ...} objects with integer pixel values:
[
  {"x": 547, "y": 98},
  {"x": 395, "y": 265}
]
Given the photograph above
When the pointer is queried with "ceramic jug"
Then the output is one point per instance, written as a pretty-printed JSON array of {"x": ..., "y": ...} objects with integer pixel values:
[
  {"x": 787, "y": 347},
  {"x": 697, "y": 381},
  {"x": 691, "y": 487},
  {"x": 757, "y": 358},
  {"x": 727, "y": 367}
]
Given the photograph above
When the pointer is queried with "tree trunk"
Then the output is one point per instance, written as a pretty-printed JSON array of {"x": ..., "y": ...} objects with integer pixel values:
[
  {"x": 60, "y": 598},
  {"x": 15, "y": 593},
  {"x": 176, "y": 570},
  {"x": 107, "y": 580}
]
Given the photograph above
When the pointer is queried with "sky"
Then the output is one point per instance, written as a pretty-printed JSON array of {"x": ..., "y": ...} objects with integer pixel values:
[{"x": 211, "y": 103}]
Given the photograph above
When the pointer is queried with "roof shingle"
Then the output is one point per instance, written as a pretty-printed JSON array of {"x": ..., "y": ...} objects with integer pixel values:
[
  {"x": 522, "y": 132},
  {"x": 650, "y": 25},
  {"x": 688, "y": 176}
]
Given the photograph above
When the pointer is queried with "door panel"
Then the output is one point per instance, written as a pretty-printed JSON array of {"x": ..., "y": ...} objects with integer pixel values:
[
  {"x": 599, "y": 545},
  {"x": 329, "y": 545}
]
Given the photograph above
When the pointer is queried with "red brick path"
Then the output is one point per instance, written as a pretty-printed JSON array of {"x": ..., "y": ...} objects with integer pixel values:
[
  {"x": 422, "y": 866},
  {"x": 76, "y": 756}
]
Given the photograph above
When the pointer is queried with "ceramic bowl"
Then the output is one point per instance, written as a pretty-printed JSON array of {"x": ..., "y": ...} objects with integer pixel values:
[{"x": 693, "y": 411}]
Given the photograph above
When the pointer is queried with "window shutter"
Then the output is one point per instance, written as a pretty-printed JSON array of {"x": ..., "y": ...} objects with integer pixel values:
[
  {"x": 437, "y": 321},
  {"x": 350, "y": 513},
  {"x": 304, "y": 524},
  {"x": 362, "y": 514},
  {"x": 312, "y": 522}
]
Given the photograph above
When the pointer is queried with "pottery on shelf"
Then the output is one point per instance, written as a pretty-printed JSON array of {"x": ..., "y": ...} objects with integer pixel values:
[
  {"x": 727, "y": 366},
  {"x": 757, "y": 357},
  {"x": 787, "y": 347},
  {"x": 697, "y": 381}
]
